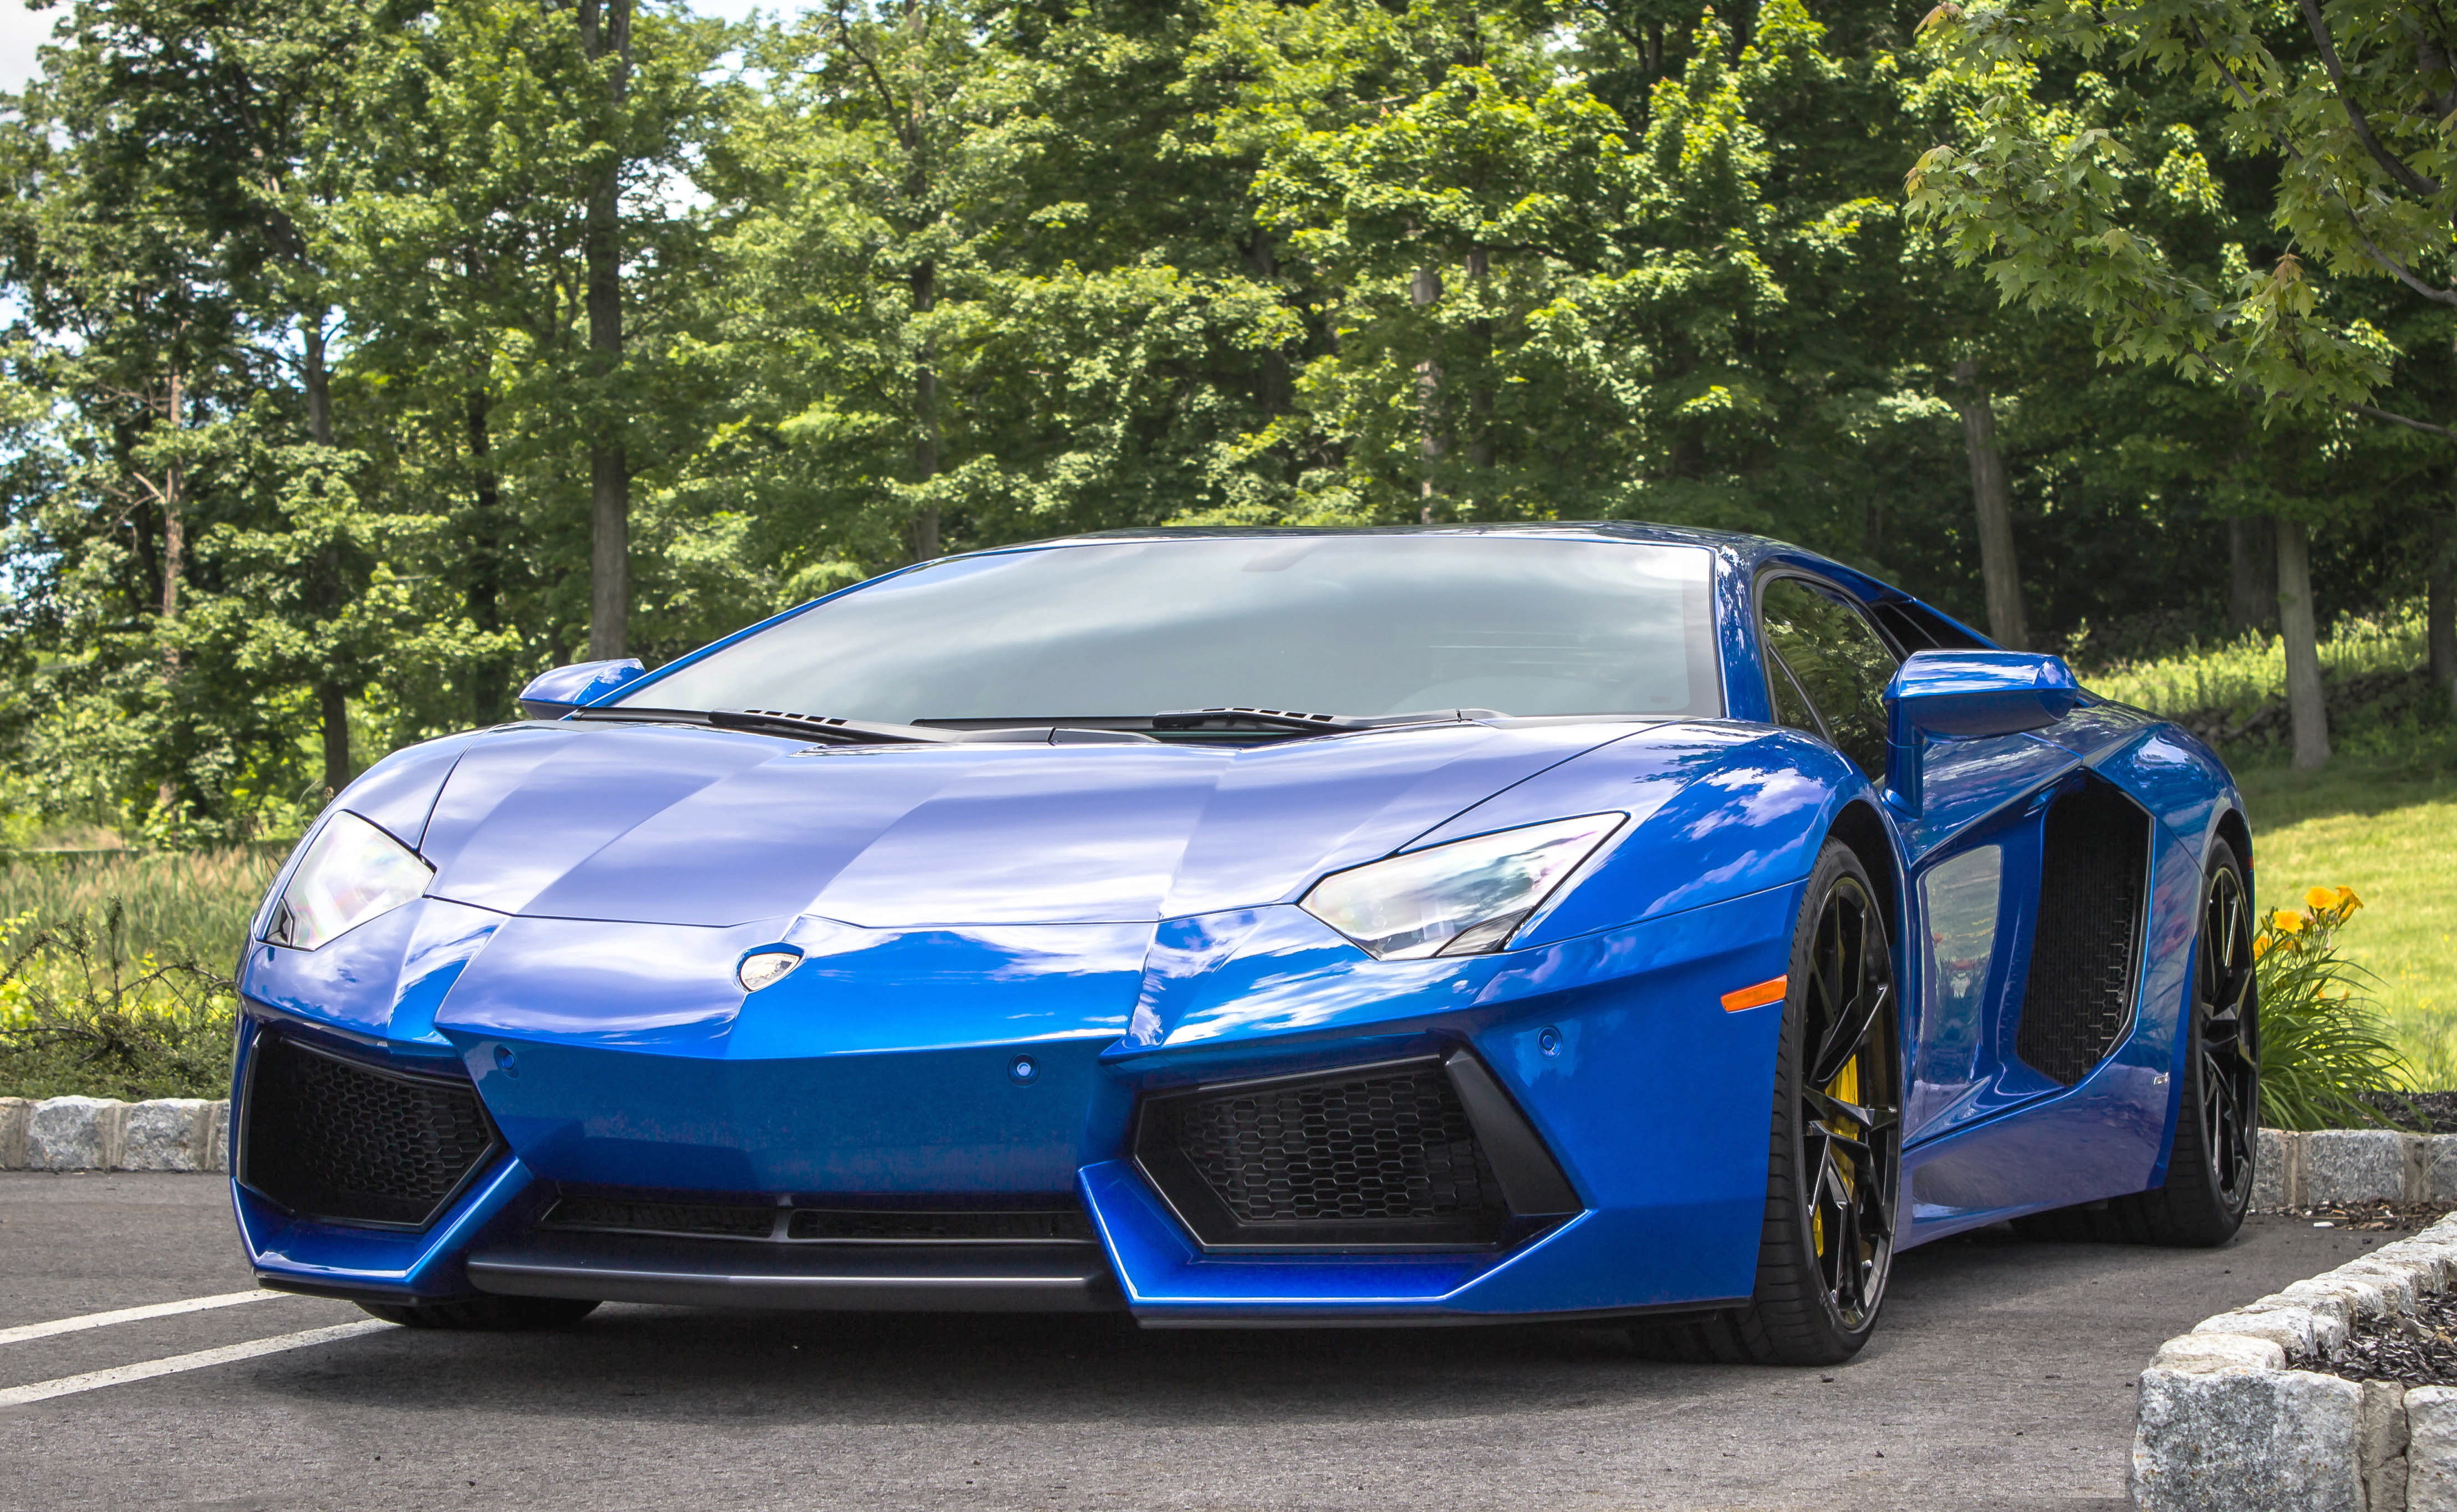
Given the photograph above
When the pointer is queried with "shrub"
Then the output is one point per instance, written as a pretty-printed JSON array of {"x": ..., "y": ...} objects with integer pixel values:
[
  {"x": 2324, "y": 1060},
  {"x": 81, "y": 1012}
]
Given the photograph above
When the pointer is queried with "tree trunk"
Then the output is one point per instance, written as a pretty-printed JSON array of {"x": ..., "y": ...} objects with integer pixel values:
[
  {"x": 486, "y": 561},
  {"x": 1423, "y": 290},
  {"x": 174, "y": 547},
  {"x": 317, "y": 383},
  {"x": 609, "y": 477},
  {"x": 175, "y": 527},
  {"x": 2440, "y": 607},
  {"x": 1272, "y": 385},
  {"x": 2252, "y": 576},
  {"x": 2306, "y": 703},
  {"x": 332, "y": 708},
  {"x": 1480, "y": 403},
  {"x": 332, "y": 702},
  {"x": 924, "y": 528},
  {"x": 1993, "y": 499}
]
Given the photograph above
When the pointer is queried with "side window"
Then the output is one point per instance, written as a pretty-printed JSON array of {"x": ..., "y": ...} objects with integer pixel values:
[
  {"x": 1791, "y": 705},
  {"x": 1841, "y": 664}
]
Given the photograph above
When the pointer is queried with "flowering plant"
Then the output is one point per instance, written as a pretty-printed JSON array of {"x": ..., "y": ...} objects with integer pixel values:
[{"x": 2324, "y": 1063}]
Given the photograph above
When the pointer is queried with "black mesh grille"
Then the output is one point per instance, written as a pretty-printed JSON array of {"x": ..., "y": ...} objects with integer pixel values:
[
  {"x": 717, "y": 1221},
  {"x": 835, "y": 1223},
  {"x": 819, "y": 1225},
  {"x": 1380, "y": 1155},
  {"x": 335, "y": 1139},
  {"x": 2079, "y": 1001}
]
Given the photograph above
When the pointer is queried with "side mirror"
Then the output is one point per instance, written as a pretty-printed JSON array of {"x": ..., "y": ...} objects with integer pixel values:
[
  {"x": 1967, "y": 695},
  {"x": 551, "y": 695}
]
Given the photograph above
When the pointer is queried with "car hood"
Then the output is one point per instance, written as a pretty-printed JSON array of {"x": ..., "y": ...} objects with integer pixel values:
[{"x": 669, "y": 824}]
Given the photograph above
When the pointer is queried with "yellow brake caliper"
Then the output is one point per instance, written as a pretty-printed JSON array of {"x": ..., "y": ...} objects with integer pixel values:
[{"x": 1843, "y": 1087}]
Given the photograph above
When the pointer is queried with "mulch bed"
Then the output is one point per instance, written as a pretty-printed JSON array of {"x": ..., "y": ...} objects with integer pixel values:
[
  {"x": 2419, "y": 1112},
  {"x": 2372, "y": 1218},
  {"x": 2418, "y": 1350}
]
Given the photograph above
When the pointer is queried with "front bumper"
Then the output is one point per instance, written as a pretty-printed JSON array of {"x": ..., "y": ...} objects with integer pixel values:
[{"x": 1009, "y": 1071}]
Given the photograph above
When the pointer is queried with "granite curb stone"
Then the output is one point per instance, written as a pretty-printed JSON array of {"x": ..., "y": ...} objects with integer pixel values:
[
  {"x": 2296, "y": 1169},
  {"x": 103, "y": 1133},
  {"x": 2225, "y": 1425},
  {"x": 2431, "y": 1450}
]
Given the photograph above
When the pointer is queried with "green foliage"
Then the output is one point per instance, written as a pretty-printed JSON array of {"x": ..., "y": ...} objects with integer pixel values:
[
  {"x": 298, "y": 404},
  {"x": 2323, "y": 1055},
  {"x": 84, "y": 1012}
]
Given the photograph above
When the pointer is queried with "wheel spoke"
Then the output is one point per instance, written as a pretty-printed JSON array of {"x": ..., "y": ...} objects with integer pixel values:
[
  {"x": 1849, "y": 1034},
  {"x": 1831, "y": 1108}
]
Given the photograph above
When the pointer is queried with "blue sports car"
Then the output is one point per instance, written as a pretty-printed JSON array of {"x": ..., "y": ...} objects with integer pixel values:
[{"x": 1253, "y": 927}]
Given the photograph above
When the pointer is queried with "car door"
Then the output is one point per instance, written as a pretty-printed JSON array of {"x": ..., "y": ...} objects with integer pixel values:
[
  {"x": 1827, "y": 665},
  {"x": 2031, "y": 880}
]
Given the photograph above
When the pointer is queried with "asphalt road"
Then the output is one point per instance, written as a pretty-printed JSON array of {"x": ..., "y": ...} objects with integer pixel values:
[{"x": 2001, "y": 1378}]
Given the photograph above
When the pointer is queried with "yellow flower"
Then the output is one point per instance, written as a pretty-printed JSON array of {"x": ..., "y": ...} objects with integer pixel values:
[
  {"x": 2260, "y": 944},
  {"x": 2285, "y": 923},
  {"x": 2318, "y": 899},
  {"x": 2347, "y": 902}
]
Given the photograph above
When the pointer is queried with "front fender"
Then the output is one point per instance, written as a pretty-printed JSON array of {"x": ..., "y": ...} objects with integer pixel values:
[{"x": 1719, "y": 810}]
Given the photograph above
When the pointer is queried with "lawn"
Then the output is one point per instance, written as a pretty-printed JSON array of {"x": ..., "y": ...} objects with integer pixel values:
[{"x": 2388, "y": 831}]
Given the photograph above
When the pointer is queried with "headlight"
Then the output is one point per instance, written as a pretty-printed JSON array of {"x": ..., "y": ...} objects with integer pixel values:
[
  {"x": 1456, "y": 899},
  {"x": 352, "y": 871}
]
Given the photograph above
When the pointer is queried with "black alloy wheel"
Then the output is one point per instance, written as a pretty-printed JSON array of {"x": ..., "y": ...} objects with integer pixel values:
[
  {"x": 1835, "y": 1156},
  {"x": 2209, "y": 1170},
  {"x": 2226, "y": 1009}
]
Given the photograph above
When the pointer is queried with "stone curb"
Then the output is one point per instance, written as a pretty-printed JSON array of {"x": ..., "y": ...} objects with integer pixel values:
[
  {"x": 2353, "y": 1165},
  {"x": 103, "y": 1133},
  {"x": 2225, "y": 1426}
]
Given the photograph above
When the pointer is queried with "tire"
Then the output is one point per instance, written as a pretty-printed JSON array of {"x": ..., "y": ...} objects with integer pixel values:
[
  {"x": 494, "y": 1315},
  {"x": 2218, "y": 1119},
  {"x": 1831, "y": 1180}
]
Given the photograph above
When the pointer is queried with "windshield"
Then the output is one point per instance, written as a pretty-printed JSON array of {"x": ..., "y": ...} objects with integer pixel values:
[{"x": 1356, "y": 625}]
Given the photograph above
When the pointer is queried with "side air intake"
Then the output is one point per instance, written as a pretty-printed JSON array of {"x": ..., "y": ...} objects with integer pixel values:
[
  {"x": 333, "y": 1139},
  {"x": 1426, "y": 1154},
  {"x": 2093, "y": 880}
]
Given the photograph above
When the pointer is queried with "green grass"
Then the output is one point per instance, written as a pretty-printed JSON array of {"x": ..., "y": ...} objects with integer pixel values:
[
  {"x": 191, "y": 907},
  {"x": 2389, "y": 831}
]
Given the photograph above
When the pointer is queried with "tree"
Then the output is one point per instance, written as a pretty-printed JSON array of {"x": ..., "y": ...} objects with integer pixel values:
[{"x": 2335, "y": 107}]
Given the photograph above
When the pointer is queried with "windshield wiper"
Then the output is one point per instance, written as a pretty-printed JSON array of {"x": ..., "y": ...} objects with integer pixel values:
[
  {"x": 866, "y": 732},
  {"x": 780, "y": 722},
  {"x": 1292, "y": 719}
]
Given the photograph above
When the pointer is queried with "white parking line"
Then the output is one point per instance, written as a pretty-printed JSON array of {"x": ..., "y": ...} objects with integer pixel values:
[
  {"x": 146, "y": 1370},
  {"x": 131, "y": 1315}
]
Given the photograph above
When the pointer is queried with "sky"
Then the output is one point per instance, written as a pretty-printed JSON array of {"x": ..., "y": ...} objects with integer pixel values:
[{"x": 22, "y": 31}]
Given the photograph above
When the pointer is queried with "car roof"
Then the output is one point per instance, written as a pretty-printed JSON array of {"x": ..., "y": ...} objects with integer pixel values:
[{"x": 1746, "y": 553}]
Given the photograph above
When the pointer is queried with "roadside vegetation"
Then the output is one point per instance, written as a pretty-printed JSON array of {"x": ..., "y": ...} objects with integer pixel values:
[{"x": 114, "y": 970}]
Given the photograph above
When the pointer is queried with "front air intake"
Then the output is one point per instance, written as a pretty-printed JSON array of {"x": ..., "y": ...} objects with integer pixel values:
[
  {"x": 336, "y": 1139},
  {"x": 1409, "y": 1155}
]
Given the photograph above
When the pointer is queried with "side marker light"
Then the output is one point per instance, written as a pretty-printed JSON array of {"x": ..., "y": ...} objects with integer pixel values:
[{"x": 1758, "y": 996}]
